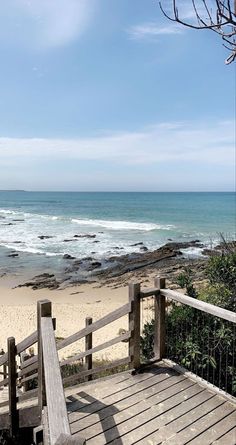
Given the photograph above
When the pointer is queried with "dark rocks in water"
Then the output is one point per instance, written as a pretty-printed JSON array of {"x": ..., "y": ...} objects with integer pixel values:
[
  {"x": 169, "y": 239},
  {"x": 96, "y": 264},
  {"x": 45, "y": 236},
  {"x": 8, "y": 224},
  {"x": 13, "y": 255},
  {"x": 184, "y": 244},
  {"x": 96, "y": 241},
  {"x": 16, "y": 242},
  {"x": 136, "y": 244},
  {"x": 144, "y": 249},
  {"x": 2, "y": 217},
  {"x": 68, "y": 257},
  {"x": 42, "y": 281},
  {"x": 69, "y": 240},
  {"x": 18, "y": 220},
  {"x": 87, "y": 258},
  {"x": 85, "y": 236},
  {"x": 118, "y": 248}
]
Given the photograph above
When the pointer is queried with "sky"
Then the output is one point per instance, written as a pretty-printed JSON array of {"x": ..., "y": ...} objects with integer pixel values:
[{"x": 109, "y": 95}]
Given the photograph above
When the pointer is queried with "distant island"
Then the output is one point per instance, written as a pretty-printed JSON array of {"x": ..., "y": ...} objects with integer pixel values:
[{"x": 12, "y": 190}]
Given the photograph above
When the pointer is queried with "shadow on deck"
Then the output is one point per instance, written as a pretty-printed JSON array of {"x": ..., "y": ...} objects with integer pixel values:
[{"x": 157, "y": 406}]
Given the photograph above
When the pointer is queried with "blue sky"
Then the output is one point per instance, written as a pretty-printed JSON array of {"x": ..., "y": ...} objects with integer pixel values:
[{"x": 110, "y": 95}]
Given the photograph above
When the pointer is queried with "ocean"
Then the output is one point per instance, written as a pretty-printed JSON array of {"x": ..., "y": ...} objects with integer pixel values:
[{"x": 102, "y": 224}]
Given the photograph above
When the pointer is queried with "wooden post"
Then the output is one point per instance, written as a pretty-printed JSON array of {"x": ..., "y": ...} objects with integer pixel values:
[
  {"x": 134, "y": 325},
  {"x": 159, "y": 325},
  {"x": 44, "y": 309},
  {"x": 89, "y": 345},
  {"x": 13, "y": 413}
]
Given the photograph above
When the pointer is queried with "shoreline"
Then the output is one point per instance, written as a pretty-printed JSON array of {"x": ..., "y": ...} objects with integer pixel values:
[{"x": 73, "y": 303}]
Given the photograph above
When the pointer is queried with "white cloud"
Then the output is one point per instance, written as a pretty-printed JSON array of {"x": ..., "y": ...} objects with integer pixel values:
[
  {"x": 45, "y": 23},
  {"x": 153, "y": 30},
  {"x": 206, "y": 143}
]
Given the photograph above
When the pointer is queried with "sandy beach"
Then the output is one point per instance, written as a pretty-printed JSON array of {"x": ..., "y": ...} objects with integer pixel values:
[{"x": 71, "y": 306}]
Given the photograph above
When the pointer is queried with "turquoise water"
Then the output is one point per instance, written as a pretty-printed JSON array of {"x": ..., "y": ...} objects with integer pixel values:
[{"x": 117, "y": 219}]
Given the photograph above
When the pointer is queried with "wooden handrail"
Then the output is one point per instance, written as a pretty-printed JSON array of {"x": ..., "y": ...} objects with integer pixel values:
[
  {"x": 115, "y": 315},
  {"x": 193, "y": 302},
  {"x": 201, "y": 305},
  {"x": 56, "y": 405}
]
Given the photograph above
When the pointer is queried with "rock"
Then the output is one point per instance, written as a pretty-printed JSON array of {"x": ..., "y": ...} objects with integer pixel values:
[
  {"x": 144, "y": 249},
  {"x": 96, "y": 241},
  {"x": 85, "y": 236},
  {"x": 96, "y": 264},
  {"x": 169, "y": 239},
  {"x": 18, "y": 220},
  {"x": 136, "y": 244},
  {"x": 68, "y": 257},
  {"x": 69, "y": 240},
  {"x": 13, "y": 255},
  {"x": 44, "y": 236},
  {"x": 42, "y": 281}
]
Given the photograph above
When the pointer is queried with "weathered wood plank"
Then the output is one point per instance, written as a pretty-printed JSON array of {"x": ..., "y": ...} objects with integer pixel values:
[
  {"x": 134, "y": 325},
  {"x": 66, "y": 439},
  {"x": 115, "y": 315},
  {"x": 13, "y": 413},
  {"x": 149, "y": 292},
  {"x": 228, "y": 438},
  {"x": 201, "y": 305},
  {"x": 89, "y": 346},
  {"x": 136, "y": 414},
  {"x": 180, "y": 418},
  {"x": 57, "y": 413},
  {"x": 44, "y": 309},
  {"x": 159, "y": 325},
  {"x": 105, "y": 345},
  {"x": 97, "y": 370},
  {"x": 32, "y": 393},
  {"x": 126, "y": 397},
  {"x": 217, "y": 430},
  {"x": 27, "y": 342},
  {"x": 198, "y": 426},
  {"x": 4, "y": 382},
  {"x": 28, "y": 417},
  {"x": 30, "y": 377}
]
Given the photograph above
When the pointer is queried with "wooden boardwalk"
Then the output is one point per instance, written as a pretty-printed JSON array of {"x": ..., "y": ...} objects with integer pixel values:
[{"x": 157, "y": 406}]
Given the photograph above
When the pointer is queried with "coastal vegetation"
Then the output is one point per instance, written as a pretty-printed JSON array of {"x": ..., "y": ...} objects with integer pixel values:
[{"x": 200, "y": 342}]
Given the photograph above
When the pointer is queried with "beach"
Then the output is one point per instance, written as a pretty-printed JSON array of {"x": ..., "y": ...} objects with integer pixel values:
[
  {"x": 71, "y": 306},
  {"x": 81, "y": 250}
]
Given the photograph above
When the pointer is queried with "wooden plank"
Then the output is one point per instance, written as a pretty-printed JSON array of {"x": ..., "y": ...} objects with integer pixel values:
[
  {"x": 66, "y": 439},
  {"x": 27, "y": 342},
  {"x": 132, "y": 416},
  {"x": 228, "y": 438},
  {"x": 32, "y": 393},
  {"x": 103, "y": 387},
  {"x": 28, "y": 417},
  {"x": 202, "y": 382},
  {"x": 217, "y": 430},
  {"x": 30, "y": 377},
  {"x": 13, "y": 413},
  {"x": 201, "y": 305},
  {"x": 127, "y": 396},
  {"x": 44, "y": 309},
  {"x": 167, "y": 426},
  {"x": 4, "y": 382},
  {"x": 134, "y": 325},
  {"x": 159, "y": 325},
  {"x": 78, "y": 376},
  {"x": 3, "y": 359},
  {"x": 28, "y": 369},
  {"x": 149, "y": 292},
  {"x": 57, "y": 412},
  {"x": 89, "y": 346},
  {"x": 105, "y": 345},
  {"x": 200, "y": 425},
  {"x": 115, "y": 315}
]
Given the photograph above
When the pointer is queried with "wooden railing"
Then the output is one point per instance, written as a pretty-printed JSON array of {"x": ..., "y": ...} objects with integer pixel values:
[{"x": 46, "y": 368}]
